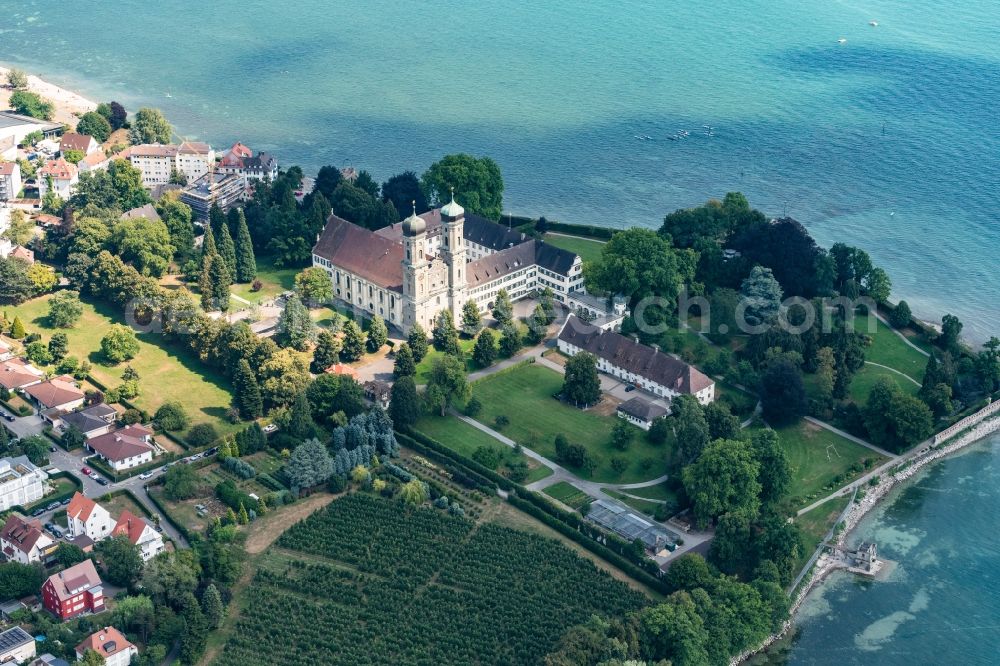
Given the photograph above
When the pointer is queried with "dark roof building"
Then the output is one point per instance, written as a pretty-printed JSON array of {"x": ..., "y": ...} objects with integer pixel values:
[
  {"x": 641, "y": 411},
  {"x": 359, "y": 251}
]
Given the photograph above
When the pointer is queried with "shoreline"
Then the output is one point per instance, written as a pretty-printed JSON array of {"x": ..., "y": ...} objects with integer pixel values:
[
  {"x": 874, "y": 496},
  {"x": 67, "y": 105}
]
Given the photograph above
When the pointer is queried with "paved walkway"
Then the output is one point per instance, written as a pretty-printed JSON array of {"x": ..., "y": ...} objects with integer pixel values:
[
  {"x": 900, "y": 335},
  {"x": 901, "y": 374},
  {"x": 847, "y": 435}
]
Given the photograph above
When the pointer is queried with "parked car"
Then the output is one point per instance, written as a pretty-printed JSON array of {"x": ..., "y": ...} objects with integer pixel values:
[
  {"x": 145, "y": 475},
  {"x": 38, "y": 512},
  {"x": 269, "y": 428},
  {"x": 86, "y": 470},
  {"x": 9, "y": 417},
  {"x": 94, "y": 476},
  {"x": 52, "y": 449},
  {"x": 101, "y": 481},
  {"x": 50, "y": 526},
  {"x": 66, "y": 501},
  {"x": 52, "y": 506},
  {"x": 630, "y": 387},
  {"x": 56, "y": 532},
  {"x": 211, "y": 452}
]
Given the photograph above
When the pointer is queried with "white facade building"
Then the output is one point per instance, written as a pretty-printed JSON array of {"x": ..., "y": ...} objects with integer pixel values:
[
  {"x": 10, "y": 180},
  {"x": 85, "y": 517},
  {"x": 21, "y": 483},
  {"x": 63, "y": 176},
  {"x": 194, "y": 159}
]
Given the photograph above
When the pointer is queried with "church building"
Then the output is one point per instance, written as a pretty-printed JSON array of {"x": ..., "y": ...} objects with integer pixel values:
[{"x": 409, "y": 272}]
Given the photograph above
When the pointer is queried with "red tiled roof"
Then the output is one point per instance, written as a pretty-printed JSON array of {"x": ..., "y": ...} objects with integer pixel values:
[
  {"x": 21, "y": 533},
  {"x": 57, "y": 391},
  {"x": 341, "y": 369},
  {"x": 105, "y": 642},
  {"x": 129, "y": 525},
  {"x": 21, "y": 252},
  {"x": 362, "y": 252},
  {"x": 73, "y": 580},
  {"x": 124, "y": 443},
  {"x": 80, "y": 507},
  {"x": 194, "y": 148},
  {"x": 58, "y": 169},
  {"x": 14, "y": 374},
  {"x": 152, "y": 150},
  {"x": 7, "y": 168}
]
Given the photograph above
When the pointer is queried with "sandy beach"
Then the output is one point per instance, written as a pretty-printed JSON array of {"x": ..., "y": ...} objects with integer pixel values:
[{"x": 68, "y": 105}]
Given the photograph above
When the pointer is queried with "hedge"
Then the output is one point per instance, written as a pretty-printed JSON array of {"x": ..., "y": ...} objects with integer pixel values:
[
  {"x": 598, "y": 549},
  {"x": 424, "y": 444}
]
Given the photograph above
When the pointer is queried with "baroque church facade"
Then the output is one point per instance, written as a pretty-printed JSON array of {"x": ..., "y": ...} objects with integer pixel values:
[{"x": 409, "y": 272}]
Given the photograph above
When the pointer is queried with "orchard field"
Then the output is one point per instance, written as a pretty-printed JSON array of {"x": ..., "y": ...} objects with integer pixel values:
[{"x": 369, "y": 581}]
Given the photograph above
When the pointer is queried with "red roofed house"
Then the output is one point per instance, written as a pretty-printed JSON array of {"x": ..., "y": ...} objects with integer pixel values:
[
  {"x": 341, "y": 369},
  {"x": 23, "y": 540},
  {"x": 6, "y": 350},
  {"x": 22, "y": 253},
  {"x": 93, "y": 162},
  {"x": 110, "y": 644},
  {"x": 63, "y": 175},
  {"x": 73, "y": 141},
  {"x": 86, "y": 517},
  {"x": 140, "y": 533},
  {"x": 15, "y": 374},
  {"x": 125, "y": 448},
  {"x": 58, "y": 393},
  {"x": 74, "y": 591}
]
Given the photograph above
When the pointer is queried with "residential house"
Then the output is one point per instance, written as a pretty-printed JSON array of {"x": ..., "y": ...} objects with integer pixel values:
[
  {"x": 215, "y": 188},
  {"x": 16, "y": 646},
  {"x": 84, "y": 516},
  {"x": 647, "y": 367},
  {"x": 23, "y": 540},
  {"x": 141, "y": 533},
  {"x": 156, "y": 161},
  {"x": 17, "y": 126},
  {"x": 241, "y": 161},
  {"x": 6, "y": 351},
  {"x": 342, "y": 369},
  {"x": 10, "y": 180},
  {"x": 148, "y": 211},
  {"x": 63, "y": 176},
  {"x": 8, "y": 149},
  {"x": 46, "y": 220},
  {"x": 74, "y": 591},
  {"x": 95, "y": 161},
  {"x": 91, "y": 421},
  {"x": 57, "y": 394},
  {"x": 378, "y": 392},
  {"x": 111, "y": 645},
  {"x": 48, "y": 660},
  {"x": 195, "y": 159},
  {"x": 641, "y": 412},
  {"x": 21, "y": 483},
  {"x": 80, "y": 142},
  {"x": 16, "y": 251},
  {"x": 16, "y": 374},
  {"x": 125, "y": 448}
]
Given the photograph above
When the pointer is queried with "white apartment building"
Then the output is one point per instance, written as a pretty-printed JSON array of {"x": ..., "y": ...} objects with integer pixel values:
[{"x": 21, "y": 483}]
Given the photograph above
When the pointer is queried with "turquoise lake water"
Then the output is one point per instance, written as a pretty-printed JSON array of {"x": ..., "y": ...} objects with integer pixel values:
[
  {"x": 890, "y": 141},
  {"x": 941, "y": 603}
]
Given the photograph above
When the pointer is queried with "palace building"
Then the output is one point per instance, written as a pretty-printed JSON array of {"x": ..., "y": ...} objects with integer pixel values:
[{"x": 409, "y": 272}]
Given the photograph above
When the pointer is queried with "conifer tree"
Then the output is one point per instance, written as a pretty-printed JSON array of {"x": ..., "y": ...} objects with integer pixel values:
[
  {"x": 227, "y": 250},
  {"x": 295, "y": 327},
  {"x": 17, "y": 328},
  {"x": 216, "y": 278},
  {"x": 503, "y": 308},
  {"x": 353, "y": 346},
  {"x": 300, "y": 420},
  {"x": 445, "y": 335},
  {"x": 378, "y": 334},
  {"x": 216, "y": 219},
  {"x": 485, "y": 350},
  {"x": 418, "y": 342},
  {"x": 405, "y": 407},
  {"x": 211, "y": 605},
  {"x": 472, "y": 321},
  {"x": 327, "y": 351},
  {"x": 247, "y": 397},
  {"x": 208, "y": 247},
  {"x": 243, "y": 516},
  {"x": 246, "y": 263},
  {"x": 404, "y": 365}
]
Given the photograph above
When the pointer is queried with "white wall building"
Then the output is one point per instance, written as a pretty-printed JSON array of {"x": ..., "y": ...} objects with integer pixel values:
[
  {"x": 141, "y": 533},
  {"x": 17, "y": 126},
  {"x": 21, "y": 483},
  {"x": 10, "y": 180},
  {"x": 22, "y": 540},
  {"x": 85, "y": 517},
  {"x": 194, "y": 159},
  {"x": 63, "y": 176},
  {"x": 156, "y": 162}
]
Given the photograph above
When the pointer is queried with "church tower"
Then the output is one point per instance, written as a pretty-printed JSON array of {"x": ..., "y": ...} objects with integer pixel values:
[
  {"x": 415, "y": 269},
  {"x": 453, "y": 253}
]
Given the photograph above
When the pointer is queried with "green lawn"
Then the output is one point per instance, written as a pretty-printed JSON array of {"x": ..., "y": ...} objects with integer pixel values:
[
  {"x": 589, "y": 250},
  {"x": 864, "y": 380},
  {"x": 524, "y": 395},
  {"x": 568, "y": 494},
  {"x": 816, "y": 523},
  {"x": 275, "y": 280},
  {"x": 427, "y": 362},
  {"x": 166, "y": 373},
  {"x": 642, "y": 506},
  {"x": 821, "y": 460},
  {"x": 658, "y": 492},
  {"x": 887, "y": 349},
  {"x": 465, "y": 439}
]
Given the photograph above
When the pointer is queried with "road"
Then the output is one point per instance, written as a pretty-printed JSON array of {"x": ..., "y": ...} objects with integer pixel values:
[{"x": 72, "y": 462}]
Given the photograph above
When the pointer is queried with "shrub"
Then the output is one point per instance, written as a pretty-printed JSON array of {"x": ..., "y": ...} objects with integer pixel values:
[
  {"x": 501, "y": 421},
  {"x": 473, "y": 407},
  {"x": 171, "y": 416},
  {"x": 202, "y": 434},
  {"x": 240, "y": 468}
]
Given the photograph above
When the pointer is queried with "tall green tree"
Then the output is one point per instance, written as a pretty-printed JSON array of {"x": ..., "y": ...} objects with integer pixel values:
[
  {"x": 581, "y": 385},
  {"x": 353, "y": 344},
  {"x": 476, "y": 182},
  {"x": 176, "y": 215},
  {"x": 378, "y": 334},
  {"x": 145, "y": 244},
  {"x": 327, "y": 351},
  {"x": 95, "y": 125},
  {"x": 445, "y": 334},
  {"x": 472, "y": 321},
  {"x": 301, "y": 425},
  {"x": 126, "y": 180},
  {"x": 211, "y": 604},
  {"x": 417, "y": 339},
  {"x": 122, "y": 560},
  {"x": 404, "y": 407},
  {"x": 503, "y": 309},
  {"x": 484, "y": 352},
  {"x": 404, "y": 365},
  {"x": 761, "y": 297},
  {"x": 447, "y": 383},
  {"x": 246, "y": 397},
  {"x": 510, "y": 340},
  {"x": 149, "y": 126},
  {"x": 404, "y": 192},
  {"x": 295, "y": 326},
  {"x": 31, "y": 104},
  {"x": 65, "y": 309},
  {"x": 227, "y": 250},
  {"x": 119, "y": 343},
  {"x": 313, "y": 286},
  {"x": 724, "y": 479},
  {"x": 246, "y": 262}
]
